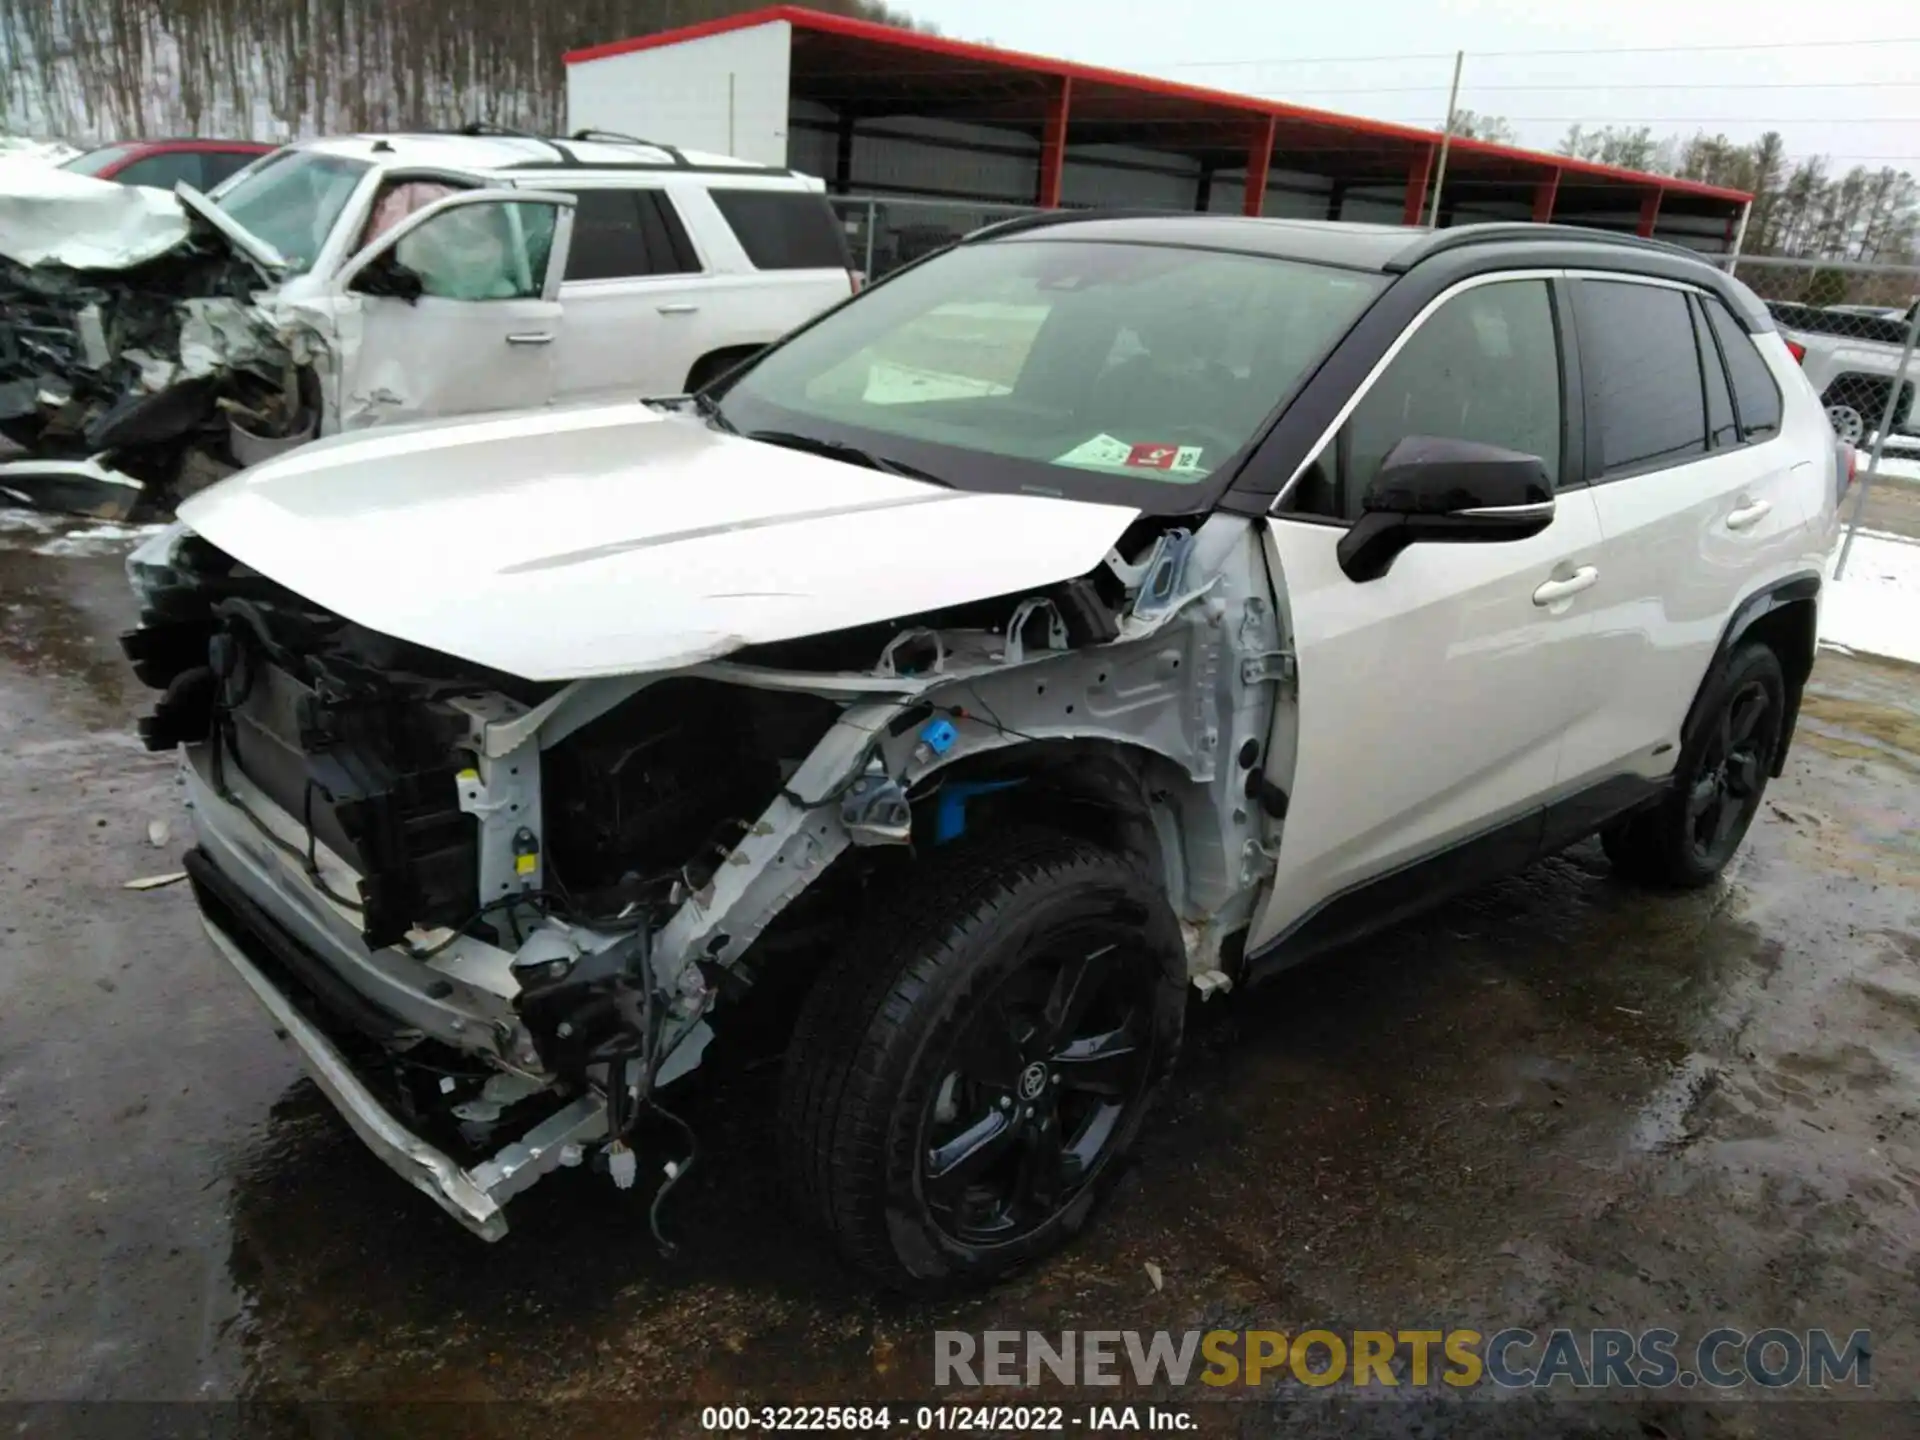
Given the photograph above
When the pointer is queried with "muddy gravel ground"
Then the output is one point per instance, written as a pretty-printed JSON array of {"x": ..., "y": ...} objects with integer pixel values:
[{"x": 1562, "y": 1101}]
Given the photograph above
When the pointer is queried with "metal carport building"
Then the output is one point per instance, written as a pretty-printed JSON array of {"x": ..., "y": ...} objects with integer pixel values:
[{"x": 882, "y": 111}]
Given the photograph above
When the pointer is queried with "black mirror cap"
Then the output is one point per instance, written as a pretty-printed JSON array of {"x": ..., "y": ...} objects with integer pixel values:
[
  {"x": 1434, "y": 475},
  {"x": 1450, "y": 491}
]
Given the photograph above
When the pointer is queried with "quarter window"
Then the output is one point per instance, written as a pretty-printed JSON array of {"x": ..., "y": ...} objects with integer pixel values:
[
  {"x": 785, "y": 229},
  {"x": 1722, "y": 430},
  {"x": 1643, "y": 375},
  {"x": 1755, "y": 392},
  {"x": 1485, "y": 366}
]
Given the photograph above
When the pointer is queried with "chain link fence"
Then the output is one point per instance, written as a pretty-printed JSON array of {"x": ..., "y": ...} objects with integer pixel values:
[
  {"x": 1852, "y": 326},
  {"x": 886, "y": 232}
]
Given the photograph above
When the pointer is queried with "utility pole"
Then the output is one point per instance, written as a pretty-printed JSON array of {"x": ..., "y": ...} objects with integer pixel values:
[{"x": 1446, "y": 140}]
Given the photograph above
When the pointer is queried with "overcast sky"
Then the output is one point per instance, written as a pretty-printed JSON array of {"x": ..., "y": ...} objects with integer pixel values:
[{"x": 1858, "y": 103}]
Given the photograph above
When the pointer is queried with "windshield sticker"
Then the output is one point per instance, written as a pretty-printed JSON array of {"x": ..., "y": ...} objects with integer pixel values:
[
  {"x": 1164, "y": 457},
  {"x": 1105, "y": 450}
]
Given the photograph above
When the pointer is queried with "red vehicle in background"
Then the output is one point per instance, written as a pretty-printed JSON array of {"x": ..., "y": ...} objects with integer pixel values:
[{"x": 162, "y": 164}]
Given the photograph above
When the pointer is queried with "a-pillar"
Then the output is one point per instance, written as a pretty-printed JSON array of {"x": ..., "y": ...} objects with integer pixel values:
[{"x": 1053, "y": 145}]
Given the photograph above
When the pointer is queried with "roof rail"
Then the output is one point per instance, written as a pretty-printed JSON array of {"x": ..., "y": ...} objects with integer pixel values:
[
  {"x": 478, "y": 128},
  {"x": 1436, "y": 242},
  {"x": 617, "y": 138},
  {"x": 1041, "y": 219}
]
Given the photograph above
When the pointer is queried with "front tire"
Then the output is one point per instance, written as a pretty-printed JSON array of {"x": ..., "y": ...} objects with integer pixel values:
[
  {"x": 966, "y": 1076},
  {"x": 1687, "y": 840}
]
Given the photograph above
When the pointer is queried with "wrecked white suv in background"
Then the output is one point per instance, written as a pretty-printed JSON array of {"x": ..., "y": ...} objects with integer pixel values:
[
  {"x": 1103, "y": 610},
  {"x": 151, "y": 343}
]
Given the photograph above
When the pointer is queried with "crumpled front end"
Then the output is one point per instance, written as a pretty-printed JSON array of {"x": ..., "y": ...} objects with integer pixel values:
[
  {"x": 138, "y": 362},
  {"x": 499, "y": 917}
]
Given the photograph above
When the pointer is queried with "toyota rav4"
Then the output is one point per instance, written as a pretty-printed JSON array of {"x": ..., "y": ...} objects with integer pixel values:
[{"x": 1103, "y": 611}]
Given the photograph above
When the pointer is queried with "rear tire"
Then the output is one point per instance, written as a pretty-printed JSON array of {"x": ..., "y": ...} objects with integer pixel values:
[
  {"x": 969, "y": 1071},
  {"x": 1687, "y": 840}
]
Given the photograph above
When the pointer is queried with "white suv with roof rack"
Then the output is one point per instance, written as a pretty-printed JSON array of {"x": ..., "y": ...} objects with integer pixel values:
[{"x": 417, "y": 276}]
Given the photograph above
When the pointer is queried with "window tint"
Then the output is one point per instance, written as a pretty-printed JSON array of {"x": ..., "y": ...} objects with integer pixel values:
[
  {"x": 1643, "y": 374},
  {"x": 607, "y": 238},
  {"x": 1721, "y": 429},
  {"x": 619, "y": 233},
  {"x": 164, "y": 171},
  {"x": 496, "y": 250},
  {"x": 1485, "y": 366},
  {"x": 1755, "y": 392},
  {"x": 785, "y": 229},
  {"x": 685, "y": 257}
]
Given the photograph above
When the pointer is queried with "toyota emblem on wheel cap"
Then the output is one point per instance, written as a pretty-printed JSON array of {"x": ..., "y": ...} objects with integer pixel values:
[{"x": 1033, "y": 1080}]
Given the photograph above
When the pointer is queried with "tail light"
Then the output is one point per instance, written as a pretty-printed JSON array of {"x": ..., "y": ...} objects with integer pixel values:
[
  {"x": 1849, "y": 467},
  {"x": 1798, "y": 351},
  {"x": 856, "y": 279}
]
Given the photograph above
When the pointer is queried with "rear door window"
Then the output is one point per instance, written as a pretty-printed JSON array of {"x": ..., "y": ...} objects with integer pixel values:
[
  {"x": 618, "y": 234},
  {"x": 785, "y": 229},
  {"x": 1645, "y": 396},
  {"x": 1755, "y": 392}
]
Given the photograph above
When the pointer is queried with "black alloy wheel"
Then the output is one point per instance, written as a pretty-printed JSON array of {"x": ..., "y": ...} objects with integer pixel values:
[
  {"x": 968, "y": 1073},
  {"x": 1732, "y": 775},
  {"x": 1687, "y": 839},
  {"x": 1039, "y": 1085}
]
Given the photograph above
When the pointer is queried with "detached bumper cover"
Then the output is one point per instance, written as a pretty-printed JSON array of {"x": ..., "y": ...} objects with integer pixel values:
[{"x": 476, "y": 1197}]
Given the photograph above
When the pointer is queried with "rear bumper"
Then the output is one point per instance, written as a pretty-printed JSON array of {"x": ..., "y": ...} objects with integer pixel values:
[{"x": 475, "y": 1197}]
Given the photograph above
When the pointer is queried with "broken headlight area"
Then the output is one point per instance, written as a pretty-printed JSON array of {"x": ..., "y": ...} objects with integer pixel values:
[
  {"x": 166, "y": 372},
  {"x": 357, "y": 765}
]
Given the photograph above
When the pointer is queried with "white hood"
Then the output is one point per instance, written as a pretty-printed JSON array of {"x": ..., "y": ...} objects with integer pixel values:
[
  {"x": 53, "y": 216},
  {"x": 561, "y": 544}
]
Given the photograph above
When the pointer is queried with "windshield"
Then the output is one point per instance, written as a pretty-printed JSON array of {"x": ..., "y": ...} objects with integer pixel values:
[
  {"x": 94, "y": 161},
  {"x": 1145, "y": 364},
  {"x": 291, "y": 201}
]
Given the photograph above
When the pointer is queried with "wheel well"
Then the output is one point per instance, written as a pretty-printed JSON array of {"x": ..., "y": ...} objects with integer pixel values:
[
  {"x": 1791, "y": 632},
  {"x": 1100, "y": 791},
  {"x": 715, "y": 363}
]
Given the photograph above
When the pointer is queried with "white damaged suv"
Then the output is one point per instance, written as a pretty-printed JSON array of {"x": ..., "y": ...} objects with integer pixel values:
[{"x": 1103, "y": 610}]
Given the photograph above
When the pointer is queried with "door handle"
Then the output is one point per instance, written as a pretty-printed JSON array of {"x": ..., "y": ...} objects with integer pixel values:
[
  {"x": 1554, "y": 591},
  {"x": 682, "y": 308},
  {"x": 531, "y": 337},
  {"x": 1748, "y": 514}
]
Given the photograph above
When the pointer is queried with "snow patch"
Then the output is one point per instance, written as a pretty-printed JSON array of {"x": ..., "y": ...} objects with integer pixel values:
[
  {"x": 1875, "y": 610},
  {"x": 61, "y": 535}
]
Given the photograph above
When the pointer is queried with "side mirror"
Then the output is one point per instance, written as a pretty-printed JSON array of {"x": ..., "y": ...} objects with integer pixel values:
[
  {"x": 1457, "y": 491},
  {"x": 387, "y": 276}
]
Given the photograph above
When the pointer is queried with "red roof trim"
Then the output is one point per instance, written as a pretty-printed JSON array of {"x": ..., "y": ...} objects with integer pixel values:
[{"x": 815, "y": 20}]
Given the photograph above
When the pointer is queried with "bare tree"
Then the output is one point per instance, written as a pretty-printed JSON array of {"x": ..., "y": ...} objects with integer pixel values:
[
  {"x": 1472, "y": 125},
  {"x": 91, "y": 70},
  {"x": 1799, "y": 210}
]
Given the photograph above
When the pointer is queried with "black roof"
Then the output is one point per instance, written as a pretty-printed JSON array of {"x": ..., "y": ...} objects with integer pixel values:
[{"x": 1394, "y": 249}]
